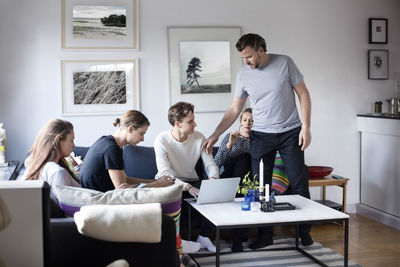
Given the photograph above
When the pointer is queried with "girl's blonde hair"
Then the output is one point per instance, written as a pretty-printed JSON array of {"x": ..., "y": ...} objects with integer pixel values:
[
  {"x": 247, "y": 110},
  {"x": 47, "y": 146}
]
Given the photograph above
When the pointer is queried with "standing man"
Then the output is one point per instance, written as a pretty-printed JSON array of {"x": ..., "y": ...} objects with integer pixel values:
[{"x": 271, "y": 81}]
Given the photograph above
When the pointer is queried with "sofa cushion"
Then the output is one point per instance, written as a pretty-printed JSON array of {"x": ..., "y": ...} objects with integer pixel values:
[
  {"x": 121, "y": 223},
  {"x": 140, "y": 161},
  {"x": 71, "y": 199},
  {"x": 280, "y": 181}
]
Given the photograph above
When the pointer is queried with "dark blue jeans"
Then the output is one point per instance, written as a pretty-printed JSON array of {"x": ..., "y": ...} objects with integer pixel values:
[{"x": 264, "y": 146}]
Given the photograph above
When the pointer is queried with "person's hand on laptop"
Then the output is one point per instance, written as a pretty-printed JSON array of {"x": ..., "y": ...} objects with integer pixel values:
[
  {"x": 193, "y": 191},
  {"x": 212, "y": 178}
]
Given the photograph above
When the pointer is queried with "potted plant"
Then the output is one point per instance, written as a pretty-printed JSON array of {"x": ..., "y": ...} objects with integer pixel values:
[{"x": 249, "y": 188}]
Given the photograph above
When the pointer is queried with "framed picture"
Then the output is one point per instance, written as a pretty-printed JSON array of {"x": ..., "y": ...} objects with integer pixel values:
[
  {"x": 378, "y": 31},
  {"x": 99, "y": 87},
  {"x": 101, "y": 24},
  {"x": 203, "y": 63},
  {"x": 378, "y": 64}
]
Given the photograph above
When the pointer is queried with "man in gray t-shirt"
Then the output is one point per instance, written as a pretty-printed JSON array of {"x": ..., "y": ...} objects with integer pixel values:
[{"x": 271, "y": 82}]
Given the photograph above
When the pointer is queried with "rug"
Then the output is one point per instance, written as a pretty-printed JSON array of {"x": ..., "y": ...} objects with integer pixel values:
[{"x": 280, "y": 258}]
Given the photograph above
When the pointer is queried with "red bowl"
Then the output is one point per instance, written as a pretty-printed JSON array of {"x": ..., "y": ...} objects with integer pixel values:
[{"x": 318, "y": 171}]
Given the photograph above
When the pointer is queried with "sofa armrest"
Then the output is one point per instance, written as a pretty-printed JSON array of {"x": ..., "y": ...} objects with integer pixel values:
[{"x": 70, "y": 248}]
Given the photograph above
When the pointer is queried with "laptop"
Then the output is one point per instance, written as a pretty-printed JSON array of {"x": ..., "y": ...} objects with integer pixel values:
[{"x": 217, "y": 191}]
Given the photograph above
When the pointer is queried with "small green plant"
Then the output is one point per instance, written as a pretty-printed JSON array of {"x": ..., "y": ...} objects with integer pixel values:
[{"x": 248, "y": 184}]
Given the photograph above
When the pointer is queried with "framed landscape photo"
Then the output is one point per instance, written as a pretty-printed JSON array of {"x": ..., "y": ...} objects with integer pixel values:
[
  {"x": 378, "y": 64},
  {"x": 203, "y": 64},
  {"x": 99, "y": 87},
  {"x": 378, "y": 31},
  {"x": 99, "y": 24}
]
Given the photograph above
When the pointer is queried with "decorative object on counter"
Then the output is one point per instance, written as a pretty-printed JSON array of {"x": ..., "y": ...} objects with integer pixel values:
[
  {"x": 378, "y": 31},
  {"x": 318, "y": 171},
  {"x": 3, "y": 146},
  {"x": 378, "y": 64},
  {"x": 394, "y": 105},
  {"x": 378, "y": 107}
]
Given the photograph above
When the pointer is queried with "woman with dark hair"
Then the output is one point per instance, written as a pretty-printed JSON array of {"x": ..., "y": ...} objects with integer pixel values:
[
  {"x": 54, "y": 142},
  {"x": 103, "y": 167}
]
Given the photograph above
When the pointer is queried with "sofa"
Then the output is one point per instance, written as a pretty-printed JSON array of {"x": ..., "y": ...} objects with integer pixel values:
[
  {"x": 70, "y": 248},
  {"x": 140, "y": 161}
]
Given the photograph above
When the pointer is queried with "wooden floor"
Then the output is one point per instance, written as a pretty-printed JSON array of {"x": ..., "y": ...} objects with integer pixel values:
[{"x": 371, "y": 244}]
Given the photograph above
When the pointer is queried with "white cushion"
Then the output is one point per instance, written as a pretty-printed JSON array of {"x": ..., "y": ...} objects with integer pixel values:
[{"x": 121, "y": 223}]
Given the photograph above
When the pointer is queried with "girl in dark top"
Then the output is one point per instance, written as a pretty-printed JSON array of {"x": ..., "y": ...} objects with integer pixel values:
[{"x": 103, "y": 166}]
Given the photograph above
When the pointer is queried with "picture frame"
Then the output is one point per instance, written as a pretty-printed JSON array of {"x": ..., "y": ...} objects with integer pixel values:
[
  {"x": 378, "y": 64},
  {"x": 209, "y": 82},
  {"x": 99, "y": 24},
  {"x": 378, "y": 31},
  {"x": 99, "y": 87}
]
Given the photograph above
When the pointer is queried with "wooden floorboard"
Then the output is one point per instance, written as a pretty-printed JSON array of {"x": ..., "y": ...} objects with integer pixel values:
[{"x": 371, "y": 244}]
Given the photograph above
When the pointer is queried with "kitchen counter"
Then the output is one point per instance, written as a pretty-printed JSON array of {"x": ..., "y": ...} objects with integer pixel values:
[
  {"x": 380, "y": 168},
  {"x": 379, "y": 116}
]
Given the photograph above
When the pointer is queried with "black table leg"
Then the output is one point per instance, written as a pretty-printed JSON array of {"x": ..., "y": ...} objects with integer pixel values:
[{"x": 217, "y": 252}]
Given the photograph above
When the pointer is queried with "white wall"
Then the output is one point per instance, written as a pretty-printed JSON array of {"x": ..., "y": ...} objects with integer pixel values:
[{"x": 327, "y": 39}]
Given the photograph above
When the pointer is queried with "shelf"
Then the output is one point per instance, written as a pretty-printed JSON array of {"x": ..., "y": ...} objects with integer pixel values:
[{"x": 330, "y": 204}]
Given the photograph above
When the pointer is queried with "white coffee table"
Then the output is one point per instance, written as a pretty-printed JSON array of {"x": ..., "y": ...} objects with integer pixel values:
[{"x": 229, "y": 216}]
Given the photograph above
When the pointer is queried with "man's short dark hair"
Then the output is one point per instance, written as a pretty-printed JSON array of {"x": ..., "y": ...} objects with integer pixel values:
[
  {"x": 252, "y": 40},
  {"x": 179, "y": 111}
]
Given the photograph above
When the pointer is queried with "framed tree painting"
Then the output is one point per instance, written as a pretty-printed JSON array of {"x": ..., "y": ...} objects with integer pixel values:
[
  {"x": 203, "y": 65},
  {"x": 99, "y": 24},
  {"x": 99, "y": 87}
]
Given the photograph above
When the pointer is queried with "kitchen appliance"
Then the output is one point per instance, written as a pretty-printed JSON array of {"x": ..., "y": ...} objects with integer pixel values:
[
  {"x": 378, "y": 107},
  {"x": 394, "y": 105}
]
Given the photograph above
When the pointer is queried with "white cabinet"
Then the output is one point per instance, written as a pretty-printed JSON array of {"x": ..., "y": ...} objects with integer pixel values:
[{"x": 380, "y": 169}]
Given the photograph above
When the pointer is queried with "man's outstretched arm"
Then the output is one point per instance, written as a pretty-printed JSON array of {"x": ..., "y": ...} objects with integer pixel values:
[{"x": 227, "y": 120}]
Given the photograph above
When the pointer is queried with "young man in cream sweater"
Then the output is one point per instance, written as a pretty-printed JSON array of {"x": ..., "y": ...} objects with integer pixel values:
[{"x": 177, "y": 152}]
